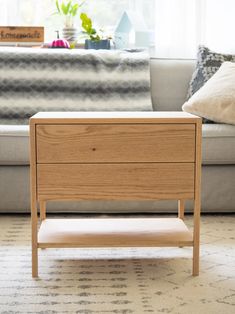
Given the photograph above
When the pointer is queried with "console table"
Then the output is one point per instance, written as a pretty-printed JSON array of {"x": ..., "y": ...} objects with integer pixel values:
[{"x": 114, "y": 156}]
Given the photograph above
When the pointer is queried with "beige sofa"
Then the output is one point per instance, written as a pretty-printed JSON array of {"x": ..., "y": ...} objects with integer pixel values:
[{"x": 169, "y": 84}]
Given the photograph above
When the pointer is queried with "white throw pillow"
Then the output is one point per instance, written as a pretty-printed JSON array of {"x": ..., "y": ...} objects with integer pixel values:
[{"x": 216, "y": 99}]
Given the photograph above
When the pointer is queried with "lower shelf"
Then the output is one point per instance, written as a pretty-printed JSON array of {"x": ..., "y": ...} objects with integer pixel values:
[{"x": 117, "y": 232}]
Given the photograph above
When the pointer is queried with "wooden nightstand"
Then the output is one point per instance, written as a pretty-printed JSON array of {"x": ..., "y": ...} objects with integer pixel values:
[{"x": 115, "y": 156}]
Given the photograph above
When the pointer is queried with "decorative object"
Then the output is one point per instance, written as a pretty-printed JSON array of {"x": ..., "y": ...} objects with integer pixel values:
[
  {"x": 114, "y": 81},
  {"x": 69, "y": 10},
  {"x": 216, "y": 99},
  {"x": 22, "y": 35},
  {"x": 208, "y": 62},
  {"x": 97, "y": 44},
  {"x": 60, "y": 43},
  {"x": 108, "y": 164},
  {"x": 70, "y": 34},
  {"x": 131, "y": 31},
  {"x": 95, "y": 41}
]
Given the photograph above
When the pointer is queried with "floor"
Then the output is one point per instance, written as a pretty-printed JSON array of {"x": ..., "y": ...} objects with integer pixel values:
[{"x": 120, "y": 281}]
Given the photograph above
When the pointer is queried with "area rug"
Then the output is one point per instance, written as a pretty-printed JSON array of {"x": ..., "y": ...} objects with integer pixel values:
[{"x": 119, "y": 281}]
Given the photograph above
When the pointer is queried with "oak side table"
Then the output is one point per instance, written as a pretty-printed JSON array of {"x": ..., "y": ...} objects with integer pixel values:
[{"x": 115, "y": 156}]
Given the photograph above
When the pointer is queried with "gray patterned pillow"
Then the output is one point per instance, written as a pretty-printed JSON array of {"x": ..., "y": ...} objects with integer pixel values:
[{"x": 208, "y": 62}]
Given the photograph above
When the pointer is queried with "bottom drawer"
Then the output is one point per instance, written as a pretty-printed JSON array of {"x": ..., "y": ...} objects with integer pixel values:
[{"x": 133, "y": 181}]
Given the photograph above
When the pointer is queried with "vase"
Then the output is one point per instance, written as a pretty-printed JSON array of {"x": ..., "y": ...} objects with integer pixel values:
[
  {"x": 70, "y": 34},
  {"x": 97, "y": 44}
]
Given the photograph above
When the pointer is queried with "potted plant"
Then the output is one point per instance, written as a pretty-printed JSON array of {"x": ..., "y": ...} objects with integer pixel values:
[
  {"x": 68, "y": 9},
  {"x": 95, "y": 40}
]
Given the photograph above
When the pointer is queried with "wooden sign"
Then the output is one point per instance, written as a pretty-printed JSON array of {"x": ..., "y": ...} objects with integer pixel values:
[{"x": 21, "y": 34}]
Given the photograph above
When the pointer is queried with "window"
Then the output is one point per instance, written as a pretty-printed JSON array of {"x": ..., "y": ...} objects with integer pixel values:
[
  {"x": 179, "y": 25},
  {"x": 105, "y": 13}
]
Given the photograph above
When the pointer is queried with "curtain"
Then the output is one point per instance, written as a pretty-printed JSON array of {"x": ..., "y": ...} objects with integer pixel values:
[
  {"x": 175, "y": 34},
  {"x": 220, "y": 25},
  {"x": 181, "y": 25}
]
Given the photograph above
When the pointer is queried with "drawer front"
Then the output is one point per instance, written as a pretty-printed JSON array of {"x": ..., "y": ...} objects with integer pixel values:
[
  {"x": 115, "y": 143},
  {"x": 134, "y": 181}
]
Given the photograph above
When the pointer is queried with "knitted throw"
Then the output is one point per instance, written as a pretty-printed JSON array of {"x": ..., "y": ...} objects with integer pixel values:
[{"x": 33, "y": 80}]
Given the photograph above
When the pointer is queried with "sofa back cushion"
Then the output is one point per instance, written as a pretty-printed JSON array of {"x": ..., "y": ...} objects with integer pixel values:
[{"x": 169, "y": 83}]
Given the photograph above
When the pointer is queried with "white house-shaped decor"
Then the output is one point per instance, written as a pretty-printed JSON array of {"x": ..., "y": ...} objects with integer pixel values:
[{"x": 131, "y": 31}]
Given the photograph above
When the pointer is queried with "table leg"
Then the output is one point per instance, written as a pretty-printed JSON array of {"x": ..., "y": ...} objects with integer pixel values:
[
  {"x": 197, "y": 202},
  {"x": 181, "y": 207},
  {"x": 34, "y": 224},
  {"x": 196, "y": 238},
  {"x": 42, "y": 206}
]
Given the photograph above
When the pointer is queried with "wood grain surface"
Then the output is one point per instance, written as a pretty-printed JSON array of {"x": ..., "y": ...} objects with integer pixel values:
[
  {"x": 152, "y": 117},
  {"x": 115, "y": 156},
  {"x": 115, "y": 143},
  {"x": 134, "y": 181},
  {"x": 19, "y": 34}
]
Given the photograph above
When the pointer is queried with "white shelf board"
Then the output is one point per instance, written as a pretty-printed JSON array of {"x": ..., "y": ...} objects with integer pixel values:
[{"x": 115, "y": 232}]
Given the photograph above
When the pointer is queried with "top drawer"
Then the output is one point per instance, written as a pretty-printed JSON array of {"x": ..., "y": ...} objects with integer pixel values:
[{"x": 115, "y": 143}]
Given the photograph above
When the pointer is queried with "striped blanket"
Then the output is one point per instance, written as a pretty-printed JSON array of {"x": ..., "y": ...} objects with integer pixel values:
[{"x": 33, "y": 80}]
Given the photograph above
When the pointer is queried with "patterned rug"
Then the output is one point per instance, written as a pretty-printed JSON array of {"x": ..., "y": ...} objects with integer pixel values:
[{"x": 119, "y": 281}]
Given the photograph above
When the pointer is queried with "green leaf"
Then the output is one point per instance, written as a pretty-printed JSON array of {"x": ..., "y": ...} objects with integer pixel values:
[
  {"x": 93, "y": 31},
  {"x": 95, "y": 38},
  {"x": 87, "y": 26},
  {"x": 86, "y": 22},
  {"x": 74, "y": 9},
  {"x": 57, "y": 6},
  {"x": 68, "y": 6},
  {"x": 64, "y": 8}
]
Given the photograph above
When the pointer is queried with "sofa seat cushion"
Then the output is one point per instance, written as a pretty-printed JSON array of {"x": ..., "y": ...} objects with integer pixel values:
[
  {"x": 218, "y": 144},
  {"x": 14, "y": 145}
]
